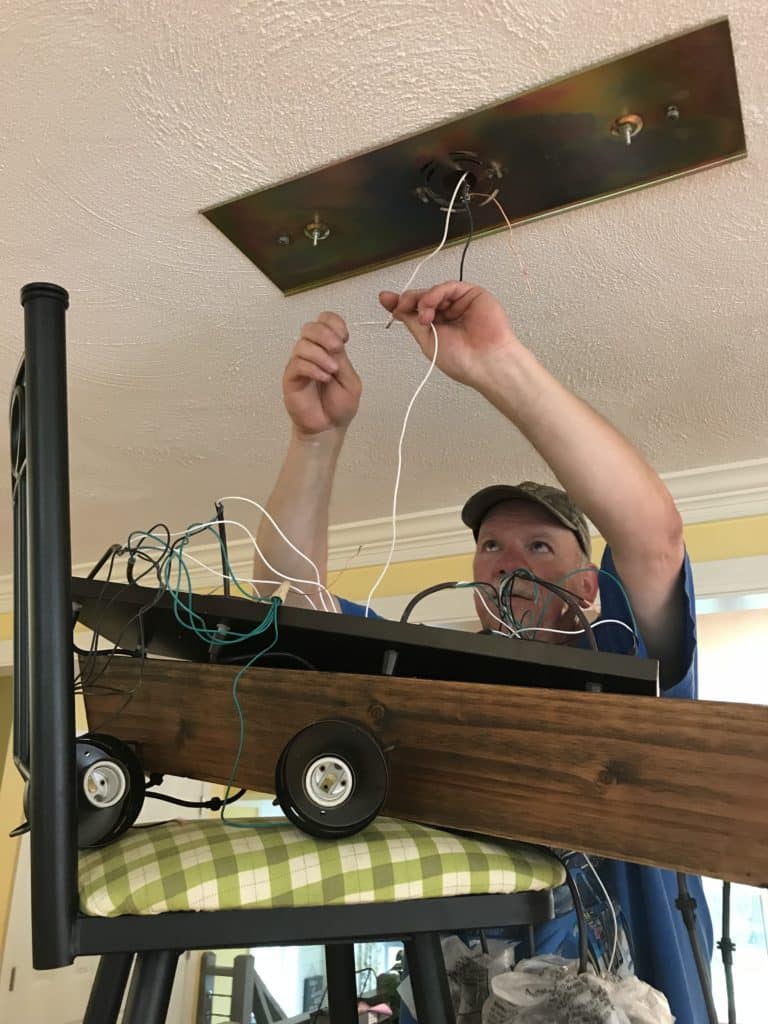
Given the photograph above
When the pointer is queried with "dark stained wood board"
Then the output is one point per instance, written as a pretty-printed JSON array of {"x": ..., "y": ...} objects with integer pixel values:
[{"x": 679, "y": 784}]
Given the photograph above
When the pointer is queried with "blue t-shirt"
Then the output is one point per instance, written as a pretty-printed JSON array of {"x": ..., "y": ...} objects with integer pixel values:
[{"x": 660, "y": 946}]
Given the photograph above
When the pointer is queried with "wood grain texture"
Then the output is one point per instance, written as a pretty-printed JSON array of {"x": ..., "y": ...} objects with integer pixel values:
[{"x": 679, "y": 784}]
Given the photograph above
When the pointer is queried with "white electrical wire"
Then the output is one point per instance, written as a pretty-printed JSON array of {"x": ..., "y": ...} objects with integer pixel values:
[
  {"x": 369, "y": 323},
  {"x": 434, "y": 252},
  {"x": 609, "y": 901},
  {"x": 322, "y": 590},
  {"x": 186, "y": 556},
  {"x": 243, "y": 579},
  {"x": 576, "y": 632},
  {"x": 416, "y": 393}
]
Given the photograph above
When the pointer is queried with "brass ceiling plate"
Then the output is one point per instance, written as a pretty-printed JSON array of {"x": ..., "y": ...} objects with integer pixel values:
[{"x": 663, "y": 111}]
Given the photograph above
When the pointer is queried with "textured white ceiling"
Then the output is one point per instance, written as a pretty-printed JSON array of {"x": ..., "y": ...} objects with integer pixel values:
[{"x": 123, "y": 119}]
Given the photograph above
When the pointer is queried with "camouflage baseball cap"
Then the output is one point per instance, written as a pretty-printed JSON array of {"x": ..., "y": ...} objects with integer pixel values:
[{"x": 552, "y": 498}]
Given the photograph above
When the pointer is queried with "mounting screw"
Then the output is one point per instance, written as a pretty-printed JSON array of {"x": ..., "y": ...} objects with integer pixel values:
[
  {"x": 421, "y": 193},
  {"x": 627, "y": 126},
  {"x": 284, "y": 239},
  {"x": 673, "y": 112},
  {"x": 317, "y": 231}
]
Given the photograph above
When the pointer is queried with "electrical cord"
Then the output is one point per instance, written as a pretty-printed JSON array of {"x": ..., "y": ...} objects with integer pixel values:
[
  {"x": 441, "y": 244},
  {"x": 416, "y": 393},
  {"x": 468, "y": 242},
  {"x": 449, "y": 585},
  {"x": 578, "y": 906},
  {"x": 506, "y": 586},
  {"x": 223, "y": 539},
  {"x": 406, "y": 614},
  {"x": 612, "y": 910},
  {"x": 214, "y": 804},
  {"x": 111, "y": 553},
  {"x": 84, "y": 682},
  {"x": 492, "y": 199},
  {"x": 322, "y": 591},
  {"x": 238, "y": 658},
  {"x": 398, "y": 474}
]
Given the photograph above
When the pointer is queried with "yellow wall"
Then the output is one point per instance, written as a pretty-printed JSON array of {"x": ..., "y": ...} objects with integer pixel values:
[
  {"x": 11, "y": 788},
  {"x": 11, "y": 794},
  {"x": 706, "y": 542}
]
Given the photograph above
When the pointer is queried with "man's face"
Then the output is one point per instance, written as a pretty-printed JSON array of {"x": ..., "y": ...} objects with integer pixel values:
[{"x": 524, "y": 535}]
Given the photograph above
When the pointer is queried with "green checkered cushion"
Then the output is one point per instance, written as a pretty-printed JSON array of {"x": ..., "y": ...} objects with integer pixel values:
[{"x": 205, "y": 865}]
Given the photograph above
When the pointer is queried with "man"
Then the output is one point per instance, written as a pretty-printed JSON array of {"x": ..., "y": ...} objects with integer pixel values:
[{"x": 532, "y": 527}]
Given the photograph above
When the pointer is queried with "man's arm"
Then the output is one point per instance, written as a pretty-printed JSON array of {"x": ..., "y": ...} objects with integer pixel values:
[
  {"x": 321, "y": 392},
  {"x": 603, "y": 473}
]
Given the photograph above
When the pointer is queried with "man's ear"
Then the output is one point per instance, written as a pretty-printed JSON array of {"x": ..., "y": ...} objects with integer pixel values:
[{"x": 588, "y": 584}]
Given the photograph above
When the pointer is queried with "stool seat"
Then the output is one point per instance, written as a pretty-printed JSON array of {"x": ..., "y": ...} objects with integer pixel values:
[{"x": 214, "y": 865}]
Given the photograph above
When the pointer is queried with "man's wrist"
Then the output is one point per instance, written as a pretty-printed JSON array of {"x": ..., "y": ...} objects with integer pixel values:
[
  {"x": 329, "y": 440},
  {"x": 500, "y": 366}
]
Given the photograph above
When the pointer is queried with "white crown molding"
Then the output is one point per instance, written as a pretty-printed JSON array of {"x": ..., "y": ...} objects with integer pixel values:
[{"x": 730, "y": 491}]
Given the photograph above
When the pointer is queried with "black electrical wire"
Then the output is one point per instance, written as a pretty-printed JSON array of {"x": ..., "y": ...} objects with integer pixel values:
[
  {"x": 155, "y": 561},
  {"x": 224, "y": 550},
  {"x": 425, "y": 593},
  {"x": 88, "y": 680},
  {"x": 237, "y": 659},
  {"x": 568, "y": 596},
  {"x": 111, "y": 553},
  {"x": 465, "y": 250},
  {"x": 686, "y": 904},
  {"x": 441, "y": 586},
  {"x": 214, "y": 804},
  {"x": 578, "y": 906}
]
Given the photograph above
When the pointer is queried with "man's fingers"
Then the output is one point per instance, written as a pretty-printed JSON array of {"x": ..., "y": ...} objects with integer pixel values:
[
  {"x": 444, "y": 298},
  {"x": 311, "y": 352},
  {"x": 336, "y": 324},
  {"x": 307, "y": 353},
  {"x": 324, "y": 335},
  {"x": 424, "y": 303},
  {"x": 346, "y": 374},
  {"x": 299, "y": 370}
]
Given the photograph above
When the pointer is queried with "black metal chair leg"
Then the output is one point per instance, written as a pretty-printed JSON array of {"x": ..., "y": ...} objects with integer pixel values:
[
  {"x": 342, "y": 983},
  {"x": 108, "y": 988},
  {"x": 151, "y": 984},
  {"x": 429, "y": 981}
]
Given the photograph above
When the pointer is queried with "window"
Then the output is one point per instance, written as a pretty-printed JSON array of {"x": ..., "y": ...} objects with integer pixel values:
[{"x": 733, "y": 634}]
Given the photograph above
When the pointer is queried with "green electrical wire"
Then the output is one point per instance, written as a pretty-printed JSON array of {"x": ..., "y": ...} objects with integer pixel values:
[{"x": 272, "y": 618}]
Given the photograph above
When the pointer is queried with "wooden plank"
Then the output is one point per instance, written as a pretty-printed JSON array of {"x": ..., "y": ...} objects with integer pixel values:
[{"x": 679, "y": 784}]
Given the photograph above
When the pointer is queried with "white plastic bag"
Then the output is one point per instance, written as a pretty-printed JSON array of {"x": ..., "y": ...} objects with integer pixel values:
[
  {"x": 470, "y": 971},
  {"x": 548, "y": 990}
]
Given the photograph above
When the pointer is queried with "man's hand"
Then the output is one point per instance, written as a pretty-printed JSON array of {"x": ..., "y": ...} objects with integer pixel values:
[
  {"x": 473, "y": 330},
  {"x": 321, "y": 390}
]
